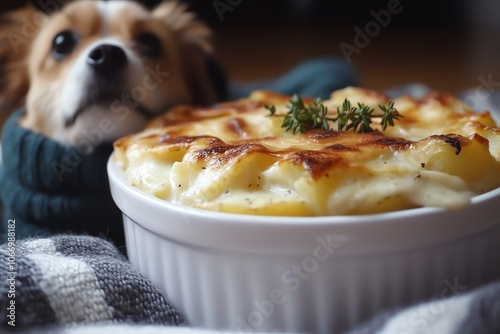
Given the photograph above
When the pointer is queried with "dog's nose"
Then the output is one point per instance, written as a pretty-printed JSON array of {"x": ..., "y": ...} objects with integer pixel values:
[{"x": 107, "y": 59}]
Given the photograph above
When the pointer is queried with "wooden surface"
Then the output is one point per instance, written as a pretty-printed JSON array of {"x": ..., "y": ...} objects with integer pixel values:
[
  {"x": 441, "y": 50},
  {"x": 443, "y": 59}
]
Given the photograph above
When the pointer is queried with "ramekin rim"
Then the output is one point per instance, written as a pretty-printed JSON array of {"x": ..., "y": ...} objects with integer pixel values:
[{"x": 117, "y": 175}]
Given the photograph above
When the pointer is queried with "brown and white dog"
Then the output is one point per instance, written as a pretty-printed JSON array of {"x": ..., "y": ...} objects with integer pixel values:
[{"x": 108, "y": 65}]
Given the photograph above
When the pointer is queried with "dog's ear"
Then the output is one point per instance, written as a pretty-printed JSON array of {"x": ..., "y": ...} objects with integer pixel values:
[
  {"x": 206, "y": 78},
  {"x": 17, "y": 31},
  {"x": 190, "y": 29}
]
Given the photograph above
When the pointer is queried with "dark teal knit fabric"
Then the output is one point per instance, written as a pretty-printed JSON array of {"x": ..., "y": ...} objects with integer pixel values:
[
  {"x": 50, "y": 188},
  {"x": 317, "y": 77}
]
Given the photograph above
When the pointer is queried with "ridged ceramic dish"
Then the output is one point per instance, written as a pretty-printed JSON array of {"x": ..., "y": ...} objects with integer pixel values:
[{"x": 315, "y": 274}]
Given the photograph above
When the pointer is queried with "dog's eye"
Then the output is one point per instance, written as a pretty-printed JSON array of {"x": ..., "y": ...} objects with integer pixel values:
[
  {"x": 149, "y": 44},
  {"x": 64, "y": 43}
]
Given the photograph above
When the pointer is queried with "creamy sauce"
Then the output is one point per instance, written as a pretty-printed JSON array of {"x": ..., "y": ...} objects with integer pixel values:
[{"x": 233, "y": 158}]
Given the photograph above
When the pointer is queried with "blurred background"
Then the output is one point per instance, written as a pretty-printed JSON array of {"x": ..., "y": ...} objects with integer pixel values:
[{"x": 446, "y": 44}]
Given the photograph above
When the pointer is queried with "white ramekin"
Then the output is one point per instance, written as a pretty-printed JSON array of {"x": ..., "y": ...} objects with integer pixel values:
[{"x": 316, "y": 274}]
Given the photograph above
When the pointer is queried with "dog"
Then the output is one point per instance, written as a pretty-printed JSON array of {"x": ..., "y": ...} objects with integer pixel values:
[
  {"x": 84, "y": 76},
  {"x": 104, "y": 60}
]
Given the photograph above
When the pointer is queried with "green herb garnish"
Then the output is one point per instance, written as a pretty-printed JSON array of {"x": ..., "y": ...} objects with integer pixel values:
[{"x": 301, "y": 118}]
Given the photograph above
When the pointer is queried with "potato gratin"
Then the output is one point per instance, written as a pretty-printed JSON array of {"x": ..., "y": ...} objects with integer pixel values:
[{"x": 234, "y": 158}]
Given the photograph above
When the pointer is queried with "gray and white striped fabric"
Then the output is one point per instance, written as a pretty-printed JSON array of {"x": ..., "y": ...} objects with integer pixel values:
[
  {"x": 476, "y": 312},
  {"x": 66, "y": 280}
]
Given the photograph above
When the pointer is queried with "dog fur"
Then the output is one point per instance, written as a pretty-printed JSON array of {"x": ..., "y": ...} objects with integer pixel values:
[{"x": 65, "y": 100}]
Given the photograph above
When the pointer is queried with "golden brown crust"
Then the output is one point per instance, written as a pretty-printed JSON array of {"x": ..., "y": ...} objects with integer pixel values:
[{"x": 439, "y": 136}]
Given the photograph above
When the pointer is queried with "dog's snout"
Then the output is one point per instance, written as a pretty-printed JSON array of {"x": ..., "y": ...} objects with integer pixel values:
[{"x": 107, "y": 59}]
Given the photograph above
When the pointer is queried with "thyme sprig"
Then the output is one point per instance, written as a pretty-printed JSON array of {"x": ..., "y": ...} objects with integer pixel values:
[{"x": 301, "y": 118}]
